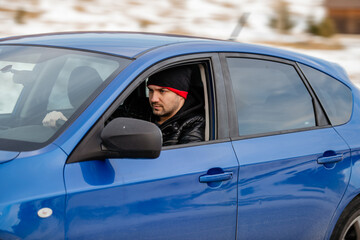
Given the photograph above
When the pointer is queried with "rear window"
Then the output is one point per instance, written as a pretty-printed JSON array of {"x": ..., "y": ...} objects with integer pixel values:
[{"x": 335, "y": 97}]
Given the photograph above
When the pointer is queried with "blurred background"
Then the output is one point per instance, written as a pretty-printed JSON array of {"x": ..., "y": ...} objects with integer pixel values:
[{"x": 328, "y": 29}]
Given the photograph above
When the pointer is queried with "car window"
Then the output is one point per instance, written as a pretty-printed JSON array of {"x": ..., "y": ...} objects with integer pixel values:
[
  {"x": 10, "y": 90},
  {"x": 335, "y": 97},
  {"x": 42, "y": 88},
  {"x": 60, "y": 96},
  {"x": 191, "y": 122},
  {"x": 270, "y": 96}
]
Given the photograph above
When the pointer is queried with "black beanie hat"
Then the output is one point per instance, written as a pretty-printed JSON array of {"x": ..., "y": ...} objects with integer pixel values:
[{"x": 176, "y": 80}]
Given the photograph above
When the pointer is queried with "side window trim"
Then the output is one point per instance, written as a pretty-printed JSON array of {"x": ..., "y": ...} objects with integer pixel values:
[
  {"x": 188, "y": 59},
  {"x": 231, "y": 110},
  {"x": 206, "y": 100},
  {"x": 81, "y": 152},
  {"x": 328, "y": 115},
  {"x": 321, "y": 118}
]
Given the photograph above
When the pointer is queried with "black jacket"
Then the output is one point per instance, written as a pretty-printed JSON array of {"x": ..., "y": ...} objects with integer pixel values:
[
  {"x": 187, "y": 125},
  {"x": 183, "y": 131}
]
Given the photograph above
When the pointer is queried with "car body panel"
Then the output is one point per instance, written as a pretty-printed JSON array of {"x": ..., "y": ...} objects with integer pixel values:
[
  {"x": 153, "y": 199},
  {"x": 6, "y": 156},
  {"x": 32, "y": 183},
  {"x": 350, "y": 133},
  {"x": 123, "y": 44},
  {"x": 286, "y": 187}
]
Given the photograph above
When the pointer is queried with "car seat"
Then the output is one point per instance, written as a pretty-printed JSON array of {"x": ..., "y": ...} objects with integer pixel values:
[{"x": 82, "y": 83}]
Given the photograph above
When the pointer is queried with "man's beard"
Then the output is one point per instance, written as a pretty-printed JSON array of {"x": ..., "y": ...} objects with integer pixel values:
[{"x": 161, "y": 114}]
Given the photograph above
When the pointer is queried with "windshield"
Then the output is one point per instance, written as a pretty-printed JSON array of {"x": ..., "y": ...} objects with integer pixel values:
[{"x": 42, "y": 89}]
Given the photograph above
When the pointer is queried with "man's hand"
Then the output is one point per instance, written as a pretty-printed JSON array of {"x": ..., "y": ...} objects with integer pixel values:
[{"x": 51, "y": 118}]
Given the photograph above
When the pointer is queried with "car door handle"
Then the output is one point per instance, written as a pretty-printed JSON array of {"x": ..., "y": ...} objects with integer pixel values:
[
  {"x": 330, "y": 159},
  {"x": 216, "y": 177}
]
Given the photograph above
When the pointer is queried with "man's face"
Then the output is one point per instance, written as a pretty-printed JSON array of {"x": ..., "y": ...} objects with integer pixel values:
[{"x": 164, "y": 103}]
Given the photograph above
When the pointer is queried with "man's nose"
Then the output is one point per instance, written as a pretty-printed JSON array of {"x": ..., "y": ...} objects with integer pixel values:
[{"x": 154, "y": 97}]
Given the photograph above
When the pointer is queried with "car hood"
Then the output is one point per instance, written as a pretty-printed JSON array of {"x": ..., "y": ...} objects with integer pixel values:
[{"x": 6, "y": 156}]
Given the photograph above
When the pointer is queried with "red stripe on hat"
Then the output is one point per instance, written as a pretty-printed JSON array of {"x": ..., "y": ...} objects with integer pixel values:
[{"x": 178, "y": 92}]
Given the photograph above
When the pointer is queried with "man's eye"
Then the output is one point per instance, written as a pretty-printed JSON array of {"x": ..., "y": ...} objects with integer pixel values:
[{"x": 162, "y": 90}]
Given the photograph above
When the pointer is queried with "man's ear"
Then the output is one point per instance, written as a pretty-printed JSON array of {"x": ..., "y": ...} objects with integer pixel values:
[{"x": 181, "y": 101}]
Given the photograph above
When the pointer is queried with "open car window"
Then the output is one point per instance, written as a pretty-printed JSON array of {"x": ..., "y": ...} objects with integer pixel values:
[{"x": 137, "y": 105}]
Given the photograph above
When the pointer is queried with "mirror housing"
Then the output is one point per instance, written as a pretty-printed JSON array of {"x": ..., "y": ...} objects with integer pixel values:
[{"x": 131, "y": 138}]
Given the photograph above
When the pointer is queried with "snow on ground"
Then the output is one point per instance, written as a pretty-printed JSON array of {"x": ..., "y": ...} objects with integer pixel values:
[{"x": 207, "y": 18}]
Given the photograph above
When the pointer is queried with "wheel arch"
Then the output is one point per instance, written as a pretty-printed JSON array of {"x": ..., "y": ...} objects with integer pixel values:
[{"x": 343, "y": 211}]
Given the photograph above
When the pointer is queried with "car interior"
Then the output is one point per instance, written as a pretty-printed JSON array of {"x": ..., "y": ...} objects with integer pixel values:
[{"x": 136, "y": 105}]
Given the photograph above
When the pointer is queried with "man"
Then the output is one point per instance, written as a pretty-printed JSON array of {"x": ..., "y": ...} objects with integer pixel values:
[{"x": 177, "y": 114}]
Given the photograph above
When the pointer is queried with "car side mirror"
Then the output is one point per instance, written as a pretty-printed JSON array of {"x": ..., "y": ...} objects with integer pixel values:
[{"x": 131, "y": 138}]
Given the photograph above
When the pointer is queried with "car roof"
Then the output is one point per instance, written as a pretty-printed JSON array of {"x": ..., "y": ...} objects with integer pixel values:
[
  {"x": 126, "y": 44},
  {"x": 134, "y": 44}
]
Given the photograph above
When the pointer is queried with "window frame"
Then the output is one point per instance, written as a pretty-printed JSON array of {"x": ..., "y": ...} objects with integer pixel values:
[
  {"x": 213, "y": 90},
  {"x": 321, "y": 119},
  {"x": 217, "y": 106},
  {"x": 333, "y": 78}
]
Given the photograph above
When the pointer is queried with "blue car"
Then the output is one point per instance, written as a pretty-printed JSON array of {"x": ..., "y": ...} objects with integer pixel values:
[{"x": 80, "y": 159}]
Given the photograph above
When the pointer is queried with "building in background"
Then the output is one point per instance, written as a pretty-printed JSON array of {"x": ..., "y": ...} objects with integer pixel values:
[{"x": 345, "y": 14}]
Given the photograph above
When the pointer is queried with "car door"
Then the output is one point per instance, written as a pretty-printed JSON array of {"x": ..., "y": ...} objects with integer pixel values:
[
  {"x": 294, "y": 167},
  {"x": 188, "y": 192}
]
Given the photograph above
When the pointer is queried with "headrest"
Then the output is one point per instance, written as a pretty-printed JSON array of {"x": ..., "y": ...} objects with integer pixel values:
[{"x": 82, "y": 83}]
